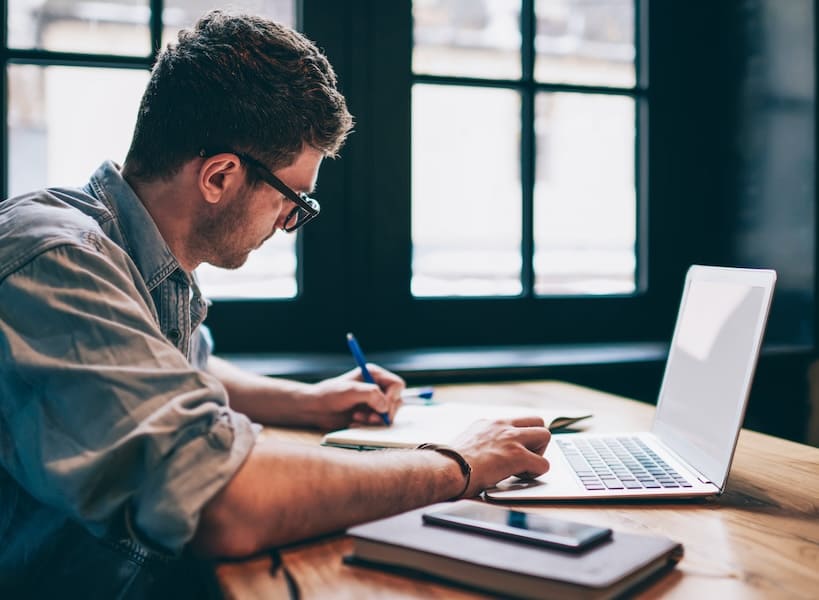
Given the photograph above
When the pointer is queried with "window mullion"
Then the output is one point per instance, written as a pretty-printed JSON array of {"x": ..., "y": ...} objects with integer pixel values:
[
  {"x": 156, "y": 24},
  {"x": 527, "y": 146},
  {"x": 641, "y": 156}
]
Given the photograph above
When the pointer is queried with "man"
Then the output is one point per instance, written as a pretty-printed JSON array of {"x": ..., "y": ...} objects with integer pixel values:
[{"x": 125, "y": 447}]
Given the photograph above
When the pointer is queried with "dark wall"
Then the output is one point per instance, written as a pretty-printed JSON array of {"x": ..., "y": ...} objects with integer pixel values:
[
  {"x": 736, "y": 153},
  {"x": 769, "y": 183}
]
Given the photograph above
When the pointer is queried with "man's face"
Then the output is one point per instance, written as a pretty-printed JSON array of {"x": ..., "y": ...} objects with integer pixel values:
[{"x": 253, "y": 214}]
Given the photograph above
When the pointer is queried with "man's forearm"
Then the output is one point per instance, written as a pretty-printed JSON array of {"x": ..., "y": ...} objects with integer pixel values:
[
  {"x": 263, "y": 399},
  {"x": 286, "y": 492},
  {"x": 330, "y": 404}
]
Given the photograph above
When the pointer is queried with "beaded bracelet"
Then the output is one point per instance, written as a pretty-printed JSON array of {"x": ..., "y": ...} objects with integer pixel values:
[{"x": 466, "y": 468}]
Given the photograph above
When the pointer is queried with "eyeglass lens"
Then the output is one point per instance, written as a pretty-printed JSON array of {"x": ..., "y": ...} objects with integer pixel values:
[{"x": 299, "y": 216}]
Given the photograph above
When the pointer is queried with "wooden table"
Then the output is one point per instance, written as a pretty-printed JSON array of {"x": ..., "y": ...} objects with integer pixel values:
[{"x": 760, "y": 539}]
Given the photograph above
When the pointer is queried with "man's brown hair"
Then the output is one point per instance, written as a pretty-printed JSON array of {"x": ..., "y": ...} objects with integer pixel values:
[{"x": 242, "y": 83}]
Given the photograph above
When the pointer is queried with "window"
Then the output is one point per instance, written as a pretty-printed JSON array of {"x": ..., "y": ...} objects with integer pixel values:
[
  {"x": 523, "y": 146},
  {"x": 500, "y": 179},
  {"x": 75, "y": 73}
]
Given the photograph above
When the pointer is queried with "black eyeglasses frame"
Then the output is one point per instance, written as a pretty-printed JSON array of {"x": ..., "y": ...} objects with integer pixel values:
[{"x": 306, "y": 208}]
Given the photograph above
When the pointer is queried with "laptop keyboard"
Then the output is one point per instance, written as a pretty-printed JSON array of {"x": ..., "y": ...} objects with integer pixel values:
[{"x": 619, "y": 463}]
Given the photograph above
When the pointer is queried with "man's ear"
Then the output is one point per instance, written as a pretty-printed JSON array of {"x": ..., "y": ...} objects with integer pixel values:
[{"x": 218, "y": 174}]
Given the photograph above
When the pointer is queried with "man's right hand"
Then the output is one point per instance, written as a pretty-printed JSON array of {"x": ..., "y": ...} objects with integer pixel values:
[{"x": 499, "y": 449}]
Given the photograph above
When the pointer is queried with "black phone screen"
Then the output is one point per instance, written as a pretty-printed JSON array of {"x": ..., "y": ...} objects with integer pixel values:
[{"x": 518, "y": 525}]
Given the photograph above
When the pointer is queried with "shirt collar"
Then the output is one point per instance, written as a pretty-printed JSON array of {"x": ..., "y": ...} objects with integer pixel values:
[{"x": 142, "y": 239}]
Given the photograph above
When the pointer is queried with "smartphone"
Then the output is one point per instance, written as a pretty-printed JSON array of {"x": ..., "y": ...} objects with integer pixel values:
[{"x": 517, "y": 525}]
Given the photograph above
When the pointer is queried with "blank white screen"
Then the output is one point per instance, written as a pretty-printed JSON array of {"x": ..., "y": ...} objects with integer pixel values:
[{"x": 708, "y": 374}]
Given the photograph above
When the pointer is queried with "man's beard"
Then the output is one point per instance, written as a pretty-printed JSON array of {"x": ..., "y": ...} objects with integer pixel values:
[{"x": 221, "y": 234}]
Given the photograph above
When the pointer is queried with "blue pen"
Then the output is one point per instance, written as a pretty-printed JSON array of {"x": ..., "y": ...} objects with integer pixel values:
[
  {"x": 422, "y": 395},
  {"x": 358, "y": 356}
]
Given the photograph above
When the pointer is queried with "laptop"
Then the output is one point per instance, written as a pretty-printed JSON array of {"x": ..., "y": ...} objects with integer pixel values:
[{"x": 700, "y": 409}]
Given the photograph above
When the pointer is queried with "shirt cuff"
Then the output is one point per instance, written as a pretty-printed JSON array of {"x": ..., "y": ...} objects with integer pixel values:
[{"x": 167, "y": 509}]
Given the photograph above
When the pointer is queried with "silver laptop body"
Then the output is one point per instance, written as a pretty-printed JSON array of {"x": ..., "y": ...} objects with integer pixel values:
[{"x": 700, "y": 409}]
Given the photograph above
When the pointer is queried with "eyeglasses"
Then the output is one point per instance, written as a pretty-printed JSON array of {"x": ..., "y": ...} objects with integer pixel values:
[{"x": 306, "y": 208}]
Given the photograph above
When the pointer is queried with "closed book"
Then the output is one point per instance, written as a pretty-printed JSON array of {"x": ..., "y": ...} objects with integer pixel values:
[{"x": 510, "y": 568}]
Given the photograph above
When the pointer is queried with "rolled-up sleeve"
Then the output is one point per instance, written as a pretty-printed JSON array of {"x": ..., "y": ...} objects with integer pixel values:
[{"x": 98, "y": 412}]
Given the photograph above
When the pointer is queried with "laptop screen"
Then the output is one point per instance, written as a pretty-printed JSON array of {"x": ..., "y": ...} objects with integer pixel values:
[{"x": 711, "y": 364}]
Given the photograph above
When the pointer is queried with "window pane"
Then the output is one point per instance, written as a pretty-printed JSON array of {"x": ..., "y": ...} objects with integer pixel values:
[
  {"x": 270, "y": 271},
  {"x": 96, "y": 26},
  {"x": 64, "y": 121},
  {"x": 585, "y": 42},
  {"x": 466, "y": 198},
  {"x": 178, "y": 14},
  {"x": 585, "y": 201},
  {"x": 467, "y": 38}
]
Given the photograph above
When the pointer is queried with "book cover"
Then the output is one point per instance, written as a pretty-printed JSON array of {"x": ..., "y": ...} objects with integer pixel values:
[{"x": 510, "y": 568}]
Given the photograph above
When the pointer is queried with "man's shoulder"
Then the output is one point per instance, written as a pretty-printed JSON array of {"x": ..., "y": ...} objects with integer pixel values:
[{"x": 34, "y": 223}]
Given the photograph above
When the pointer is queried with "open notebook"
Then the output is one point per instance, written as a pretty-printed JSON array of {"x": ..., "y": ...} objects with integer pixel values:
[{"x": 440, "y": 424}]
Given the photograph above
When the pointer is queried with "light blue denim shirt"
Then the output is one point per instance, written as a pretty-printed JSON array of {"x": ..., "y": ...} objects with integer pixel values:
[{"x": 107, "y": 418}]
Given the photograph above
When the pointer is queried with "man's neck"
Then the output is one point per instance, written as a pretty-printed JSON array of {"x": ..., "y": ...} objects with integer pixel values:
[{"x": 170, "y": 204}]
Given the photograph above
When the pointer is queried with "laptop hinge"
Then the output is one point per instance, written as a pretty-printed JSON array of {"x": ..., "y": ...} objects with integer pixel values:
[{"x": 704, "y": 479}]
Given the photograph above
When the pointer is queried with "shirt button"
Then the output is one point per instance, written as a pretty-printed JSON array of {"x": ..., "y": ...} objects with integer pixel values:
[{"x": 173, "y": 335}]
